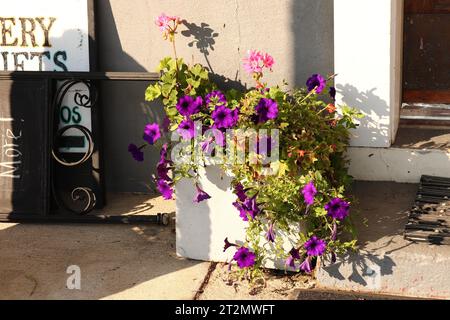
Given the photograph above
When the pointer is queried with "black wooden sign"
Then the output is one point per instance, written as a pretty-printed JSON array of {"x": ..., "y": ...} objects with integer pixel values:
[{"x": 25, "y": 152}]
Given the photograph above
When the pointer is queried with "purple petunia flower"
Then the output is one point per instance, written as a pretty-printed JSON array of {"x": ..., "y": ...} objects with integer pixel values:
[
  {"x": 165, "y": 189},
  {"x": 316, "y": 81},
  {"x": 248, "y": 208},
  {"x": 152, "y": 133},
  {"x": 266, "y": 109},
  {"x": 332, "y": 93},
  {"x": 309, "y": 192},
  {"x": 315, "y": 247},
  {"x": 228, "y": 244},
  {"x": 216, "y": 98},
  {"x": 224, "y": 118},
  {"x": 244, "y": 258},
  {"x": 218, "y": 138},
  {"x": 270, "y": 235},
  {"x": 188, "y": 106},
  {"x": 338, "y": 208},
  {"x": 163, "y": 164},
  {"x": 163, "y": 154},
  {"x": 163, "y": 173},
  {"x": 136, "y": 152},
  {"x": 305, "y": 266},
  {"x": 294, "y": 254},
  {"x": 239, "y": 191},
  {"x": 186, "y": 129},
  {"x": 201, "y": 195}
]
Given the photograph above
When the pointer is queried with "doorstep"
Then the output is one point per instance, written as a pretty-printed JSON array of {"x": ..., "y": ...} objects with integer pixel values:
[
  {"x": 387, "y": 263},
  {"x": 417, "y": 151}
]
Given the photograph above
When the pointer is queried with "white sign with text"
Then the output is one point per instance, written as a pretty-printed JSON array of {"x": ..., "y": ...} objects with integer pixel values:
[{"x": 49, "y": 35}]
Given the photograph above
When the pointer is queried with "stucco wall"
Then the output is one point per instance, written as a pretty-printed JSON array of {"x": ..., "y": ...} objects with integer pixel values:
[{"x": 298, "y": 33}]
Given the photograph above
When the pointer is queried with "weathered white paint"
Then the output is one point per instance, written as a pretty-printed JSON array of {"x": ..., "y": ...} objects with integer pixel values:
[
  {"x": 368, "y": 46},
  {"x": 67, "y": 47},
  {"x": 202, "y": 228},
  {"x": 399, "y": 165}
]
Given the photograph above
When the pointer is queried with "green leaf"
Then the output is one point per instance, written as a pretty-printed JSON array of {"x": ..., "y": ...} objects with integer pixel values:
[
  {"x": 166, "y": 89},
  {"x": 320, "y": 212},
  {"x": 171, "y": 111},
  {"x": 153, "y": 92},
  {"x": 164, "y": 64},
  {"x": 193, "y": 83}
]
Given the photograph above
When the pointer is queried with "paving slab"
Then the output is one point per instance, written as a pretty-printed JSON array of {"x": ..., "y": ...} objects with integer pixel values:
[
  {"x": 116, "y": 261},
  {"x": 386, "y": 262}
]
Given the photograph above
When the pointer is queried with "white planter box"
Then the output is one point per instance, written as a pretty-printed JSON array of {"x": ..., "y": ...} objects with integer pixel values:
[{"x": 201, "y": 228}]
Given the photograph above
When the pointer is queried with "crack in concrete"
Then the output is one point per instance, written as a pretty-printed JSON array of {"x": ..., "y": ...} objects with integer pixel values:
[
  {"x": 236, "y": 14},
  {"x": 205, "y": 281}
]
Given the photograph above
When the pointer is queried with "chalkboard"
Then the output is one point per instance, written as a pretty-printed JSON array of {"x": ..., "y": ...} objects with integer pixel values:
[{"x": 25, "y": 153}]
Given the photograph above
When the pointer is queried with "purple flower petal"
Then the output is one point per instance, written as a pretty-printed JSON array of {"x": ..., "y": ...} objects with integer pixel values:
[
  {"x": 266, "y": 109},
  {"x": 294, "y": 254},
  {"x": 316, "y": 81},
  {"x": 201, "y": 195},
  {"x": 228, "y": 244},
  {"x": 270, "y": 235},
  {"x": 309, "y": 192},
  {"x": 332, "y": 93},
  {"x": 239, "y": 191},
  {"x": 216, "y": 98},
  {"x": 152, "y": 133},
  {"x": 338, "y": 208},
  {"x": 186, "y": 129},
  {"x": 244, "y": 258},
  {"x": 165, "y": 189},
  {"x": 315, "y": 247},
  {"x": 224, "y": 118},
  {"x": 188, "y": 106},
  {"x": 305, "y": 266}
]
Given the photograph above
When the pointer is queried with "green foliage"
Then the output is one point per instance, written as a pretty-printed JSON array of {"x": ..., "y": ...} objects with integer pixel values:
[{"x": 313, "y": 141}]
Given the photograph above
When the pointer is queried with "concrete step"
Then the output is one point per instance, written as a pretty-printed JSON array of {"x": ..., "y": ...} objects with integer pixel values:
[
  {"x": 386, "y": 263},
  {"x": 417, "y": 151}
]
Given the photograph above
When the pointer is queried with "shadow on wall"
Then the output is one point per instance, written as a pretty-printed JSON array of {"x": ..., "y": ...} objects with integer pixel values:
[
  {"x": 313, "y": 33},
  {"x": 125, "y": 112},
  {"x": 203, "y": 37},
  {"x": 367, "y": 102}
]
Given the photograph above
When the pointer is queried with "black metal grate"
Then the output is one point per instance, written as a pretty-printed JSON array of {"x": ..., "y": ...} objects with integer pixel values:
[{"x": 429, "y": 219}]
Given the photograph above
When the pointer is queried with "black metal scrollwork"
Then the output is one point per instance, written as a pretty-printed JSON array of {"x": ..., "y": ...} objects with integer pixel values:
[{"x": 82, "y": 199}]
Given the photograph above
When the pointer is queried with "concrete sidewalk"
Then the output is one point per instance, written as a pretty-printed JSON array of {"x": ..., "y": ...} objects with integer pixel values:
[
  {"x": 116, "y": 261},
  {"x": 387, "y": 263},
  {"x": 139, "y": 262}
]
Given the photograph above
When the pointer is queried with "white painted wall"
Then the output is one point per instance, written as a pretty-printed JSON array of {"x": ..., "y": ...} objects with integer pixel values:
[{"x": 368, "y": 43}]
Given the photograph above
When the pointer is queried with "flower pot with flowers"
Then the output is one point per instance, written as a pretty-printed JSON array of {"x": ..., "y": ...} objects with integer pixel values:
[{"x": 259, "y": 175}]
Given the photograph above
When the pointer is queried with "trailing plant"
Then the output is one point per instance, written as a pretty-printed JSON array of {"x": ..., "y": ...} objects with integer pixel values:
[{"x": 295, "y": 172}]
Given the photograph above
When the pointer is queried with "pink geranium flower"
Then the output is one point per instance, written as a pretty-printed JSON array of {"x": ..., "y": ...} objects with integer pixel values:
[
  {"x": 268, "y": 61},
  {"x": 164, "y": 20},
  {"x": 256, "y": 61}
]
